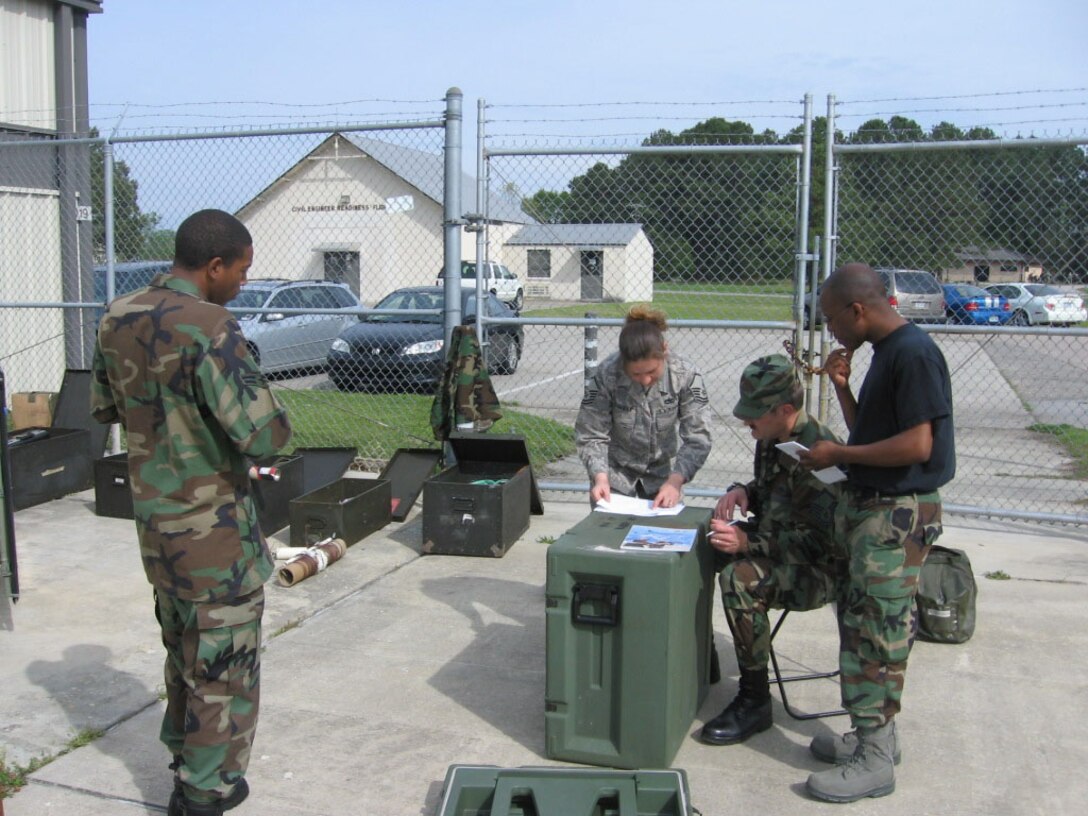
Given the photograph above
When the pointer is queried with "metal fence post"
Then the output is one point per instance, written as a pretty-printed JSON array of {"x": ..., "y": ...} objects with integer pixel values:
[
  {"x": 481, "y": 226},
  {"x": 829, "y": 242},
  {"x": 452, "y": 220},
  {"x": 590, "y": 347},
  {"x": 804, "y": 186},
  {"x": 111, "y": 271}
]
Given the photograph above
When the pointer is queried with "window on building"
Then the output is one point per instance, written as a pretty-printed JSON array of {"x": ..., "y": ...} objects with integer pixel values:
[{"x": 540, "y": 263}]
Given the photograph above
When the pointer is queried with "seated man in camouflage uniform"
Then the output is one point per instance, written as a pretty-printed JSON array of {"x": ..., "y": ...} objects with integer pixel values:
[
  {"x": 171, "y": 366},
  {"x": 784, "y": 557}
]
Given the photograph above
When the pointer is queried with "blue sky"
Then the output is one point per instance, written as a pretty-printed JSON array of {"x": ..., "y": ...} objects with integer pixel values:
[{"x": 292, "y": 58}]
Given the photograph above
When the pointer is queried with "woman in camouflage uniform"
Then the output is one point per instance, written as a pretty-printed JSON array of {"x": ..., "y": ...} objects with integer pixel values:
[{"x": 640, "y": 401}]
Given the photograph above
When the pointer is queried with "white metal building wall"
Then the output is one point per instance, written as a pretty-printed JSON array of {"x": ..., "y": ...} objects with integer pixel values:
[
  {"x": 31, "y": 351},
  {"x": 27, "y": 64}
]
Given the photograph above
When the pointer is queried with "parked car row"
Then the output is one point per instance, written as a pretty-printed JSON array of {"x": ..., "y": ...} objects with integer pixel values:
[
  {"x": 380, "y": 350},
  {"x": 915, "y": 294},
  {"x": 921, "y": 298},
  {"x": 1040, "y": 303}
]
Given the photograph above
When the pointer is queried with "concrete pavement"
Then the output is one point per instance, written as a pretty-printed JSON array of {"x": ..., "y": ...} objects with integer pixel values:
[{"x": 390, "y": 666}]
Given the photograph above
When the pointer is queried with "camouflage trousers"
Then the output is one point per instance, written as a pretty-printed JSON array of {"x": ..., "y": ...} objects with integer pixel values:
[
  {"x": 212, "y": 689},
  {"x": 752, "y": 585},
  {"x": 887, "y": 538}
]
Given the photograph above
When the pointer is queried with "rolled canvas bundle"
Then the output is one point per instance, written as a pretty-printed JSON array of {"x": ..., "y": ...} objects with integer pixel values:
[{"x": 311, "y": 561}]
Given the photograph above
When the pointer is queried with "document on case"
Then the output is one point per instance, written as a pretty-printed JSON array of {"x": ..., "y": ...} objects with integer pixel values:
[
  {"x": 828, "y": 475},
  {"x": 630, "y": 506},
  {"x": 658, "y": 539}
]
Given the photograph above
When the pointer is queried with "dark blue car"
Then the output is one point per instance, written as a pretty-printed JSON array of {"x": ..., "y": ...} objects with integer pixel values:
[{"x": 967, "y": 304}]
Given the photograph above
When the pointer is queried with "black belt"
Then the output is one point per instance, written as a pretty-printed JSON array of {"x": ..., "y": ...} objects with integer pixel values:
[{"x": 871, "y": 493}]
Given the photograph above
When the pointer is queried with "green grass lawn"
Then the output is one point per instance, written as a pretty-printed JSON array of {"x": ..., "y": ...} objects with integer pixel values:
[
  {"x": 1075, "y": 441},
  {"x": 378, "y": 424},
  {"x": 697, "y": 301}
]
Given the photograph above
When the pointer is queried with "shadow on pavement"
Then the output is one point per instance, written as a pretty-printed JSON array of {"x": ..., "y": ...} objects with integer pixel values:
[
  {"x": 499, "y": 676},
  {"x": 86, "y": 666}
]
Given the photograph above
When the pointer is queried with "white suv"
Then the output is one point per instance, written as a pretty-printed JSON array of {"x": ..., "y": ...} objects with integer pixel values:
[{"x": 498, "y": 280}]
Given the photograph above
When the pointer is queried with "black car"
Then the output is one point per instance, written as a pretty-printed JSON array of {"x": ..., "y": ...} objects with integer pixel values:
[{"x": 409, "y": 350}]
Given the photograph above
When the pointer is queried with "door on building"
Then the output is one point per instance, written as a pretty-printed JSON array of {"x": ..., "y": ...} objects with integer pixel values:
[
  {"x": 343, "y": 267},
  {"x": 592, "y": 274}
]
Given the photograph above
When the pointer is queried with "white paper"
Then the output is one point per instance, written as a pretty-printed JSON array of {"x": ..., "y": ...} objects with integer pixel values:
[
  {"x": 830, "y": 475},
  {"x": 630, "y": 506},
  {"x": 794, "y": 449}
]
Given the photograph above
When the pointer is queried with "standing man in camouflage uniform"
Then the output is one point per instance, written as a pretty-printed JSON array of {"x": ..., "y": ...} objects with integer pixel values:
[
  {"x": 784, "y": 558},
  {"x": 901, "y": 450},
  {"x": 171, "y": 366},
  {"x": 626, "y": 431}
]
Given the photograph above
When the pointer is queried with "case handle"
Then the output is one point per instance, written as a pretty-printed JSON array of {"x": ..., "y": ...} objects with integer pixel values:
[{"x": 609, "y": 594}]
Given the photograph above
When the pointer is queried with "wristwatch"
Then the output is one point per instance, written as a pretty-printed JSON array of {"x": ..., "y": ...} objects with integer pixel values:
[{"x": 741, "y": 485}]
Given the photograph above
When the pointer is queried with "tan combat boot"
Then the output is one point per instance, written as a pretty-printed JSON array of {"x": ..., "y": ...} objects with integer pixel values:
[
  {"x": 870, "y": 771},
  {"x": 838, "y": 748}
]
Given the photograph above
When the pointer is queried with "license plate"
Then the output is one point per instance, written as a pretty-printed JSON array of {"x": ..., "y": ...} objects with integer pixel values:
[
  {"x": 919, "y": 304},
  {"x": 993, "y": 318}
]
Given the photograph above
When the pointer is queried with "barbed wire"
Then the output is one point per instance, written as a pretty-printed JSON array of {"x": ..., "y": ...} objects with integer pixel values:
[
  {"x": 959, "y": 96},
  {"x": 107, "y": 114},
  {"x": 673, "y": 104},
  {"x": 628, "y": 119},
  {"x": 1081, "y": 104},
  {"x": 267, "y": 103}
]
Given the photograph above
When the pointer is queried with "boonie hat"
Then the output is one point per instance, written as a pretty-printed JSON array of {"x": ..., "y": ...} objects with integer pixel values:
[{"x": 764, "y": 384}]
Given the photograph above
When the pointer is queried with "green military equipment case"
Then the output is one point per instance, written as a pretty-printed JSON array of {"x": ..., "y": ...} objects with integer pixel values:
[
  {"x": 474, "y": 790},
  {"x": 52, "y": 463},
  {"x": 112, "y": 487},
  {"x": 348, "y": 508},
  {"x": 628, "y": 642},
  {"x": 273, "y": 497},
  {"x": 407, "y": 470},
  {"x": 481, "y": 505}
]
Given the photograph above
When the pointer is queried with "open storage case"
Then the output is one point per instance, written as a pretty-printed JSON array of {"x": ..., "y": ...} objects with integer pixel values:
[
  {"x": 47, "y": 463},
  {"x": 475, "y": 790},
  {"x": 481, "y": 505}
]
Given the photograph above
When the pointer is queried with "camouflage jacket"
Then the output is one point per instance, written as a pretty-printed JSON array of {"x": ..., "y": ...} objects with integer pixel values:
[
  {"x": 464, "y": 393},
  {"x": 630, "y": 433},
  {"x": 794, "y": 510},
  {"x": 174, "y": 370}
]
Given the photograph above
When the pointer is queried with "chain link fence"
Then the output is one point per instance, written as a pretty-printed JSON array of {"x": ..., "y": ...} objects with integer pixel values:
[
  {"x": 705, "y": 231},
  {"x": 1009, "y": 216},
  {"x": 339, "y": 219},
  {"x": 718, "y": 225}
]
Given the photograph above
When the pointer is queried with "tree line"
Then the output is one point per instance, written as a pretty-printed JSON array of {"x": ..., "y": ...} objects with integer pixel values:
[
  {"x": 731, "y": 217},
  {"x": 137, "y": 235}
]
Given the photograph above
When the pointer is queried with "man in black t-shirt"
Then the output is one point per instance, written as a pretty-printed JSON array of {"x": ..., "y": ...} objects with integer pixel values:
[{"x": 900, "y": 451}]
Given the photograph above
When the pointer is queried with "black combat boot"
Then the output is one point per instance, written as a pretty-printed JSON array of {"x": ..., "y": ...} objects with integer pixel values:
[
  {"x": 174, "y": 808},
  {"x": 748, "y": 714},
  {"x": 218, "y": 807}
]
